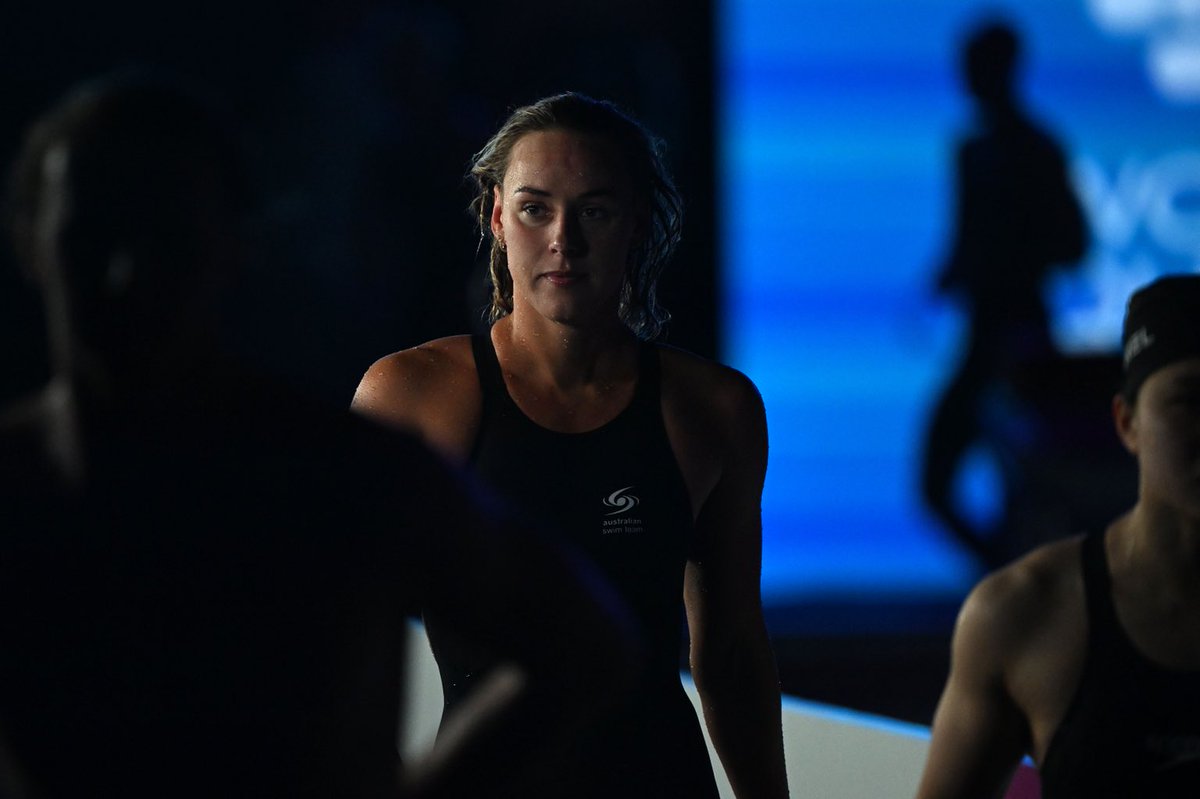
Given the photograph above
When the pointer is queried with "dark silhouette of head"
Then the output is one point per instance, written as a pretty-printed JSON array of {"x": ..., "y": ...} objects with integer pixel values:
[
  {"x": 990, "y": 58},
  {"x": 125, "y": 205}
]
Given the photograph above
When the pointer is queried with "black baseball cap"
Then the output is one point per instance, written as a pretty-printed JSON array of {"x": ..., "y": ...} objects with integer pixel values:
[{"x": 1162, "y": 325}]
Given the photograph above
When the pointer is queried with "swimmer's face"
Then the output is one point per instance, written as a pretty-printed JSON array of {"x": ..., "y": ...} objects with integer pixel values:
[
  {"x": 566, "y": 212},
  {"x": 1163, "y": 430}
]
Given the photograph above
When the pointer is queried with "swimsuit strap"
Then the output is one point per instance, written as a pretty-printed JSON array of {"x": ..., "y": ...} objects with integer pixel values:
[{"x": 1103, "y": 627}]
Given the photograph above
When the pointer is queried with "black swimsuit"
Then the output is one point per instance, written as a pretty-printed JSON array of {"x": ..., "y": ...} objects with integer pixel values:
[
  {"x": 617, "y": 494},
  {"x": 1133, "y": 728}
]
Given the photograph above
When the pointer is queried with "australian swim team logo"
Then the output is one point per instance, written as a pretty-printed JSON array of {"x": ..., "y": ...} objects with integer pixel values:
[
  {"x": 618, "y": 519},
  {"x": 621, "y": 502}
]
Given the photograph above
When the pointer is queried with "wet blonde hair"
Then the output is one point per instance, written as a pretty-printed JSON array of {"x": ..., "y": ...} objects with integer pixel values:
[{"x": 642, "y": 153}]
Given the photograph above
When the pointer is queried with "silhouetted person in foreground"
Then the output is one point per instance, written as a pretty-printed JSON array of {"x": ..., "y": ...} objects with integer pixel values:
[
  {"x": 1017, "y": 217},
  {"x": 204, "y": 576},
  {"x": 1085, "y": 653}
]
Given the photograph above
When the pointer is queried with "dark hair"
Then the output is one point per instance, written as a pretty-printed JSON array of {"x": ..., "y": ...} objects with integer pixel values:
[{"x": 643, "y": 156}]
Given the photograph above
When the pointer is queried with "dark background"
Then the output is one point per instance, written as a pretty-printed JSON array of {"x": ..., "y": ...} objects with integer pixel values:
[{"x": 359, "y": 120}]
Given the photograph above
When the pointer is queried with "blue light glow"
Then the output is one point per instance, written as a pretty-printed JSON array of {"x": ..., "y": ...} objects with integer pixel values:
[{"x": 839, "y": 119}]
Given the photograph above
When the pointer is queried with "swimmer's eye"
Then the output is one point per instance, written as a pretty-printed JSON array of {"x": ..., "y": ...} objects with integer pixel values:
[{"x": 595, "y": 212}]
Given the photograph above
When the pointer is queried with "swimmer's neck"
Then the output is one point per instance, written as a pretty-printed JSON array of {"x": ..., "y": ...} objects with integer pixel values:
[
  {"x": 1158, "y": 537},
  {"x": 565, "y": 355}
]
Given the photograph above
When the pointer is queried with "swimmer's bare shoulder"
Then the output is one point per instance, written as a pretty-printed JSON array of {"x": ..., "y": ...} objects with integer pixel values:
[
  {"x": 1038, "y": 611},
  {"x": 706, "y": 385},
  {"x": 430, "y": 390},
  {"x": 714, "y": 417},
  {"x": 1023, "y": 596},
  {"x": 1017, "y": 653}
]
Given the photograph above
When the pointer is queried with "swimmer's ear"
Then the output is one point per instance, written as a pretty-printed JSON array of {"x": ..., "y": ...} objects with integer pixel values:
[
  {"x": 497, "y": 207},
  {"x": 1125, "y": 423}
]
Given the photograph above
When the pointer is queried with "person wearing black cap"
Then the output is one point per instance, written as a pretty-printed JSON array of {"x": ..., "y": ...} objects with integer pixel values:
[{"x": 1085, "y": 653}]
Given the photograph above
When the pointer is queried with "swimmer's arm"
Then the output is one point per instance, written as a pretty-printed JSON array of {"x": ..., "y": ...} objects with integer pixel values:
[
  {"x": 979, "y": 733},
  {"x": 389, "y": 392},
  {"x": 731, "y": 659}
]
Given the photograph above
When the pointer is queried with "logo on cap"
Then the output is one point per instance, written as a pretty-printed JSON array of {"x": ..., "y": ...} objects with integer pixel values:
[{"x": 1138, "y": 342}]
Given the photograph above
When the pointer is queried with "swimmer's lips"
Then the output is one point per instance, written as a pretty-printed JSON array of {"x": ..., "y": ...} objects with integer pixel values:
[{"x": 564, "y": 278}]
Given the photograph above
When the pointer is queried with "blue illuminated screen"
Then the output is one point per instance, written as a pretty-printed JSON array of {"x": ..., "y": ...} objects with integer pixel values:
[{"x": 838, "y": 124}]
